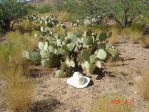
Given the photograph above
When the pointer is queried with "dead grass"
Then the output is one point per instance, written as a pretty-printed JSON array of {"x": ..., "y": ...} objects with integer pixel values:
[
  {"x": 108, "y": 104},
  {"x": 24, "y": 26},
  {"x": 144, "y": 41},
  {"x": 143, "y": 84},
  {"x": 133, "y": 35},
  {"x": 95, "y": 28},
  {"x": 18, "y": 91},
  {"x": 62, "y": 15},
  {"x": 115, "y": 34}
]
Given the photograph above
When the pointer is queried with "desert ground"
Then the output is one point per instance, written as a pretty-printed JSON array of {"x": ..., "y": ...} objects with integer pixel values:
[{"x": 54, "y": 95}]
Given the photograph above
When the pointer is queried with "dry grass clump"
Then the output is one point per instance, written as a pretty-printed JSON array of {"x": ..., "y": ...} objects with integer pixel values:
[
  {"x": 133, "y": 35},
  {"x": 115, "y": 34},
  {"x": 18, "y": 91},
  {"x": 13, "y": 69},
  {"x": 24, "y": 26},
  {"x": 106, "y": 104},
  {"x": 23, "y": 41},
  {"x": 143, "y": 85},
  {"x": 144, "y": 41},
  {"x": 62, "y": 15},
  {"x": 95, "y": 28}
]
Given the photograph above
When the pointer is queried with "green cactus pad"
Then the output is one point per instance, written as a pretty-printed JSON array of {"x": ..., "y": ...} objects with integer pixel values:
[
  {"x": 56, "y": 51},
  {"x": 102, "y": 37},
  {"x": 89, "y": 32},
  {"x": 59, "y": 42},
  {"x": 78, "y": 33},
  {"x": 101, "y": 54},
  {"x": 59, "y": 74},
  {"x": 76, "y": 49},
  {"x": 85, "y": 55},
  {"x": 41, "y": 45},
  {"x": 44, "y": 54},
  {"x": 72, "y": 37},
  {"x": 45, "y": 62},
  {"x": 71, "y": 46},
  {"x": 63, "y": 66},
  {"x": 113, "y": 52},
  {"x": 26, "y": 55},
  {"x": 86, "y": 66},
  {"x": 98, "y": 64},
  {"x": 35, "y": 57},
  {"x": 93, "y": 58},
  {"x": 51, "y": 49},
  {"x": 108, "y": 46},
  {"x": 60, "y": 51},
  {"x": 89, "y": 40},
  {"x": 70, "y": 63},
  {"x": 46, "y": 46}
]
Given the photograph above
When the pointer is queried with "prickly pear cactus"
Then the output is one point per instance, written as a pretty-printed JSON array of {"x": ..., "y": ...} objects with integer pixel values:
[
  {"x": 112, "y": 51},
  {"x": 101, "y": 54},
  {"x": 85, "y": 54},
  {"x": 45, "y": 62},
  {"x": 26, "y": 55},
  {"x": 35, "y": 57},
  {"x": 70, "y": 51},
  {"x": 59, "y": 74},
  {"x": 89, "y": 40}
]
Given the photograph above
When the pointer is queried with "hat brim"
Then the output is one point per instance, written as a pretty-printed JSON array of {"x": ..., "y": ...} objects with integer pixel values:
[{"x": 71, "y": 80}]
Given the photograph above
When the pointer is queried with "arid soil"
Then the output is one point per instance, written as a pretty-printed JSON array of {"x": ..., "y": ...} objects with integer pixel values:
[{"x": 54, "y": 95}]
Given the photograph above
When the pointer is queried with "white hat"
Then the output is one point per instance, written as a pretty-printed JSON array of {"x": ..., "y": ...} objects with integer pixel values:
[{"x": 78, "y": 81}]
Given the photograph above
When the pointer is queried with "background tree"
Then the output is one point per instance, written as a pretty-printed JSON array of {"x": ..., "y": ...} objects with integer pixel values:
[
  {"x": 125, "y": 12},
  {"x": 86, "y": 8},
  {"x": 10, "y": 10}
]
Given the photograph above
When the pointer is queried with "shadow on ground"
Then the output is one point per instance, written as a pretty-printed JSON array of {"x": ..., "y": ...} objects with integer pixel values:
[{"x": 45, "y": 106}]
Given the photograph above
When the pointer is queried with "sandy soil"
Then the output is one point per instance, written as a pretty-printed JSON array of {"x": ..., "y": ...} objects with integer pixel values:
[{"x": 54, "y": 95}]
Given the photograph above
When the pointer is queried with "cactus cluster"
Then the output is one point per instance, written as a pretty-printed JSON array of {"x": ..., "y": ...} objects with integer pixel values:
[
  {"x": 44, "y": 22},
  {"x": 93, "y": 20},
  {"x": 73, "y": 51}
]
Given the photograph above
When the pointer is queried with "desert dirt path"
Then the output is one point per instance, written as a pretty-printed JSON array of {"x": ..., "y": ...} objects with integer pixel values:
[{"x": 54, "y": 95}]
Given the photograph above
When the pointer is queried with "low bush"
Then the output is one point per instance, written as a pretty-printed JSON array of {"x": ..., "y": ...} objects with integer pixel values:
[
  {"x": 10, "y": 11},
  {"x": 45, "y": 8}
]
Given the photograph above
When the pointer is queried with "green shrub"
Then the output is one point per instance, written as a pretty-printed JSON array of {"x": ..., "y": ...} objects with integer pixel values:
[
  {"x": 124, "y": 12},
  {"x": 43, "y": 8},
  {"x": 10, "y": 10}
]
